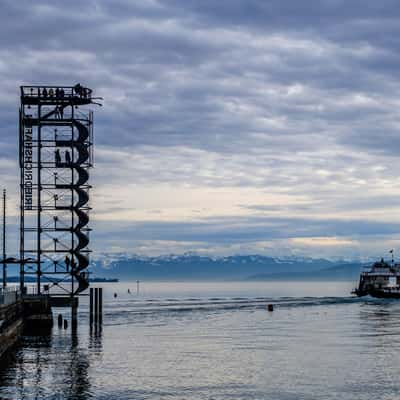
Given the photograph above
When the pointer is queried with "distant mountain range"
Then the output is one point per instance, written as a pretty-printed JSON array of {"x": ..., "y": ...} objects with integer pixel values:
[{"x": 240, "y": 267}]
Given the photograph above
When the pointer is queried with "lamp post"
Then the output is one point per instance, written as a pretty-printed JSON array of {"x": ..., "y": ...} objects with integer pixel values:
[{"x": 4, "y": 240}]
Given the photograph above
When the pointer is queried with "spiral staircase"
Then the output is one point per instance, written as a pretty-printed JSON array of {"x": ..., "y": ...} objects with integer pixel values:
[{"x": 54, "y": 229}]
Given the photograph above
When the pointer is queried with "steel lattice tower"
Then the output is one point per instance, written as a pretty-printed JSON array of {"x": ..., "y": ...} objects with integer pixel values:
[{"x": 55, "y": 155}]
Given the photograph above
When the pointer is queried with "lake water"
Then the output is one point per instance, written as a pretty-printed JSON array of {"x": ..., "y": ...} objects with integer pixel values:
[{"x": 217, "y": 341}]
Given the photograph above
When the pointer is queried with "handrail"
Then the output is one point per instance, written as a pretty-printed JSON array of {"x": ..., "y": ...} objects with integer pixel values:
[{"x": 69, "y": 91}]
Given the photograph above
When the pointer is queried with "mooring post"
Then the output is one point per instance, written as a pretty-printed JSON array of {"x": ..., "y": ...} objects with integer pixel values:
[
  {"x": 91, "y": 307},
  {"x": 100, "y": 306},
  {"x": 96, "y": 306}
]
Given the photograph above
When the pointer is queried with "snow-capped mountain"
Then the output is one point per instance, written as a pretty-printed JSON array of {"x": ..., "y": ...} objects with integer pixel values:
[{"x": 194, "y": 266}]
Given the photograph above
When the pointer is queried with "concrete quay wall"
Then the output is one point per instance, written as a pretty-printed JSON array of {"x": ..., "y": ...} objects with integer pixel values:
[{"x": 11, "y": 325}]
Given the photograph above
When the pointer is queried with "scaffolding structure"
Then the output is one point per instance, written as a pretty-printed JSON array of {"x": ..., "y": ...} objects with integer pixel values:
[{"x": 56, "y": 153}]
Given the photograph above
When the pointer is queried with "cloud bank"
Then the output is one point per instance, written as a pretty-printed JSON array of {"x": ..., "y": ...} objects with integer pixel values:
[{"x": 229, "y": 126}]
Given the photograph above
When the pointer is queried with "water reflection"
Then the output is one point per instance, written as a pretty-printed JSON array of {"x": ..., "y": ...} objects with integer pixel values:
[
  {"x": 96, "y": 338},
  {"x": 9, "y": 361},
  {"x": 380, "y": 318},
  {"x": 55, "y": 366},
  {"x": 77, "y": 368}
]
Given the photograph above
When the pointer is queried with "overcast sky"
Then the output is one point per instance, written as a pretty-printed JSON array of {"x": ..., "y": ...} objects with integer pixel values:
[{"x": 228, "y": 126}]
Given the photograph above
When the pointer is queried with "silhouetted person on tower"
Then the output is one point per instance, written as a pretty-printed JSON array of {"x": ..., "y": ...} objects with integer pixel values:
[
  {"x": 78, "y": 89},
  {"x": 67, "y": 157},
  {"x": 57, "y": 114},
  {"x": 67, "y": 262},
  {"x": 58, "y": 157}
]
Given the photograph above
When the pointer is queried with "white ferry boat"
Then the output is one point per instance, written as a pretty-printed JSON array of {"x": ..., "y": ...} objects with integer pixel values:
[{"x": 380, "y": 280}]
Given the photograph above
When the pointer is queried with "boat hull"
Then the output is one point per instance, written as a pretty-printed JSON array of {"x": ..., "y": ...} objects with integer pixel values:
[
  {"x": 380, "y": 294},
  {"x": 360, "y": 293}
]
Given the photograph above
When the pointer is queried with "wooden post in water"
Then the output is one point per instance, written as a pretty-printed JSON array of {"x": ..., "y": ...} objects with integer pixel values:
[
  {"x": 91, "y": 307},
  {"x": 100, "y": 306},
  {"x": 96, "y": 306}
]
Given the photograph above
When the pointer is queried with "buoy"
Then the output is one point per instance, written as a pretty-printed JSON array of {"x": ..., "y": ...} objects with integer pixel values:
[
  {"x": 270, "y": 307},
  {"x": 65, "y": 324},
  {"x": 115, "y": 295}
]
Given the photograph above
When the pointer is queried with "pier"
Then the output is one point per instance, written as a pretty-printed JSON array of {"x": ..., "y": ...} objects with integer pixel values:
[{"x": 11, "y": 318}]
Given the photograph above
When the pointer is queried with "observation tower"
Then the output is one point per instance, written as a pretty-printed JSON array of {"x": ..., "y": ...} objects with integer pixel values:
[{"x": 56, "y": 154}]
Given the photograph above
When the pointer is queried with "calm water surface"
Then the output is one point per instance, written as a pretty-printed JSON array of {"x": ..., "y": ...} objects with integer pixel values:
[{"x": 217, "y": 341}]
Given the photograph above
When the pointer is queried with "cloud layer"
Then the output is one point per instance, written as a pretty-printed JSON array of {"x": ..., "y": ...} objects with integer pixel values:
[{"x": 229, "y": 126}]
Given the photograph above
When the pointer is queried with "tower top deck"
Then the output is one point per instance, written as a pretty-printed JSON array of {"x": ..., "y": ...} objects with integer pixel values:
[{"x": 53, "y": 95}]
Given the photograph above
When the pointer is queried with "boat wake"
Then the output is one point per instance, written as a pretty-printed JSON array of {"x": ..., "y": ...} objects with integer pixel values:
[{"x": 157, "y": 308}]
